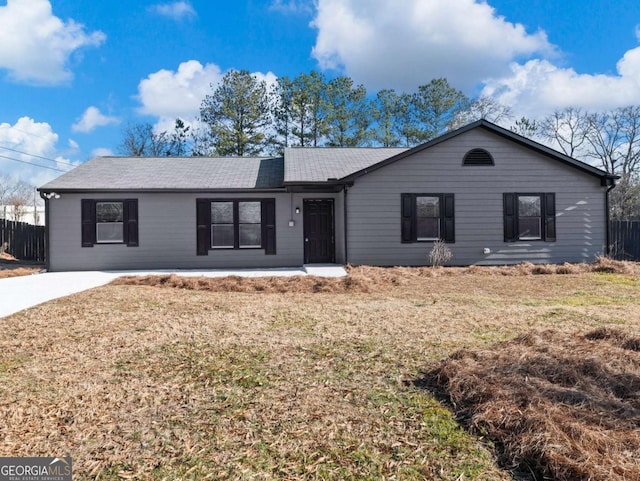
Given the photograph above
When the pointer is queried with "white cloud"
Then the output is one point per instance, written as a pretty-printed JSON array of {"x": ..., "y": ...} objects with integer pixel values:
[
  {"x": 539, "y": 87},
  {"x": 28, "y": 142},
  {"x": 91, "y": 119},
  {"x": 102, "y": 152},
  {"x": 175, "y": 10},
  {"x": 168, "y": 94},
  {"x": 292, "y": 6},
  {"x": 406, "y": 43},
  {"x": 35, "y": 45}
]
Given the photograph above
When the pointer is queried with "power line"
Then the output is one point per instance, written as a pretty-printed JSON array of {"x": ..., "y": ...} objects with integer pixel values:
[
  {"x": 33, "y": 165},
  {"x": 37, "y": 156}
]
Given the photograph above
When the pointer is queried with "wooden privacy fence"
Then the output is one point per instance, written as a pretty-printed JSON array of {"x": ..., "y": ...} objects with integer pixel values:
[
  {"x": 625, "y": 239},
  {"x": 23, "y": 241}
]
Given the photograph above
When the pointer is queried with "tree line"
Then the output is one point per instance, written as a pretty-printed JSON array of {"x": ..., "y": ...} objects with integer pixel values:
[{"x": 242, "y": 116}]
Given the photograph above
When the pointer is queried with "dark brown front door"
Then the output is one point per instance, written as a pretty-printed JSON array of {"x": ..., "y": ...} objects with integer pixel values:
[{"x": 319, "y": 244}]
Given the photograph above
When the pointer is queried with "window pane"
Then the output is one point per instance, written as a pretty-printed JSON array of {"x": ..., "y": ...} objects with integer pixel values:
[
  {"x": 109, "y": 211},
  {"x": 250, "y": 235},
  {"x": 249, "y": 212},
  {"x": 109, "y": 232},
  {"x": 428, "y": 228},
  {"x": 222, "y": 212},
  {"x": 529, "y": 205},
  {"x": 428, "y": 206},
  {"x": 222, "y": 235},
  {"x": 529, "y": 228}
]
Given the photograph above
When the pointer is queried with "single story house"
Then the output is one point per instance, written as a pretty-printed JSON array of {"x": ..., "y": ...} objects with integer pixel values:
[{"x": 495, "y": 198}]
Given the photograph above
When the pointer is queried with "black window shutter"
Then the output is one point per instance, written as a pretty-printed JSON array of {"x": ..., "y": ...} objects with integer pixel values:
[
  {"x": 408, "y": 206},
  {"x": 131, "y": 222},
  {"x": 550, "y": 217},
  {"x": 510, "y": 218},
  {"x": 203, "y": 220},
  {"x": 88, "y": 222},
  {"x": 269, "y": 226},
  {"x": 448, "y": 220}
]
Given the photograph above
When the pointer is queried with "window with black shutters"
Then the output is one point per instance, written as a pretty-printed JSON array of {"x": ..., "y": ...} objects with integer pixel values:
[
  {"x": 235, "y": 224},
  {"x": 427, "y": 217},
  {"x": 529, "y": 217},
  {"x": 109, "y": 221}
]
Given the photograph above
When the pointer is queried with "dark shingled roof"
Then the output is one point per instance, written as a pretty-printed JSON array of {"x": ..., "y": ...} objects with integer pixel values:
[
  {"x": 320, "y": 164},
  {"x": 174, "y": 173},
  {"x": 303, "y": 165}
]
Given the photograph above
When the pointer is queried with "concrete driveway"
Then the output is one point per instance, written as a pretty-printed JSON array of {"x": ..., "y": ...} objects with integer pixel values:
[{"x": 18, "y": 293}]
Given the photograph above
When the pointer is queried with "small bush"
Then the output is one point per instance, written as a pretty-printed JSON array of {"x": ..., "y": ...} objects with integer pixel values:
[{"x": 440, "y": 254}]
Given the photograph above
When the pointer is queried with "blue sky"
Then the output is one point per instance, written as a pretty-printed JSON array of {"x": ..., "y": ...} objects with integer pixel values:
[{"x": 73, "y": 73}]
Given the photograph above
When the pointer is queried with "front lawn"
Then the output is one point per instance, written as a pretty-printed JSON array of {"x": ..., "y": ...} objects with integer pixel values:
[{"x": 306, "y": 379}]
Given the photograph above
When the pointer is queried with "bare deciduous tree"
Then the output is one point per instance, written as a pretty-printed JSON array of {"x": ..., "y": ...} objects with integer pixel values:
[
  {"x": 614, "y": 140},
  {"x": 483, "y": 107},
  {"x": 568, "y": 130},
  {"x": 16, "y": 195},
  {"x": 141, "y": 140}
]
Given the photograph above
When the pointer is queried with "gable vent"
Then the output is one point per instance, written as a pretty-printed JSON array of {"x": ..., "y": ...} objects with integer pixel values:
[{"x": 477, "y": 157}]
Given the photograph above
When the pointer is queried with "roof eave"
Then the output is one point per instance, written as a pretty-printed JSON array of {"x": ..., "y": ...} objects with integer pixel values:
[
  {"x": 317, "y": 186},
  {"x": 158, "y": 190}
]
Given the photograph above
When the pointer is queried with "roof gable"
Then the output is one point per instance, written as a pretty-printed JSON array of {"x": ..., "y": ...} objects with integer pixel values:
[{"x": 484, "y": 124}]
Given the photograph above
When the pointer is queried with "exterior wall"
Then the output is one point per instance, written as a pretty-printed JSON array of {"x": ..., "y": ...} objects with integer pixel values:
[
  {"x": 374, "y": 222},
  {"x": 167, "y": 234}
]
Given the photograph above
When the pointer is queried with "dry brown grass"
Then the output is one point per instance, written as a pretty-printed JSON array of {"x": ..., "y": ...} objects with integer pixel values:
[
  {"x": 155, "y": 383},
  {"x": 19, "y": 271},
  {"x": 12, "y": 267},
  {"x": 561, "y": 406}
]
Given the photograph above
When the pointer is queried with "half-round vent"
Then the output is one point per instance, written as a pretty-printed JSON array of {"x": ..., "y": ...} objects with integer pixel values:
[{"x": 477, "y": 157}]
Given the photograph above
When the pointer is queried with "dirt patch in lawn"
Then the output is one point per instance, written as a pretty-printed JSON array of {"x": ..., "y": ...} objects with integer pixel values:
[{"x": 559, "y": 406}]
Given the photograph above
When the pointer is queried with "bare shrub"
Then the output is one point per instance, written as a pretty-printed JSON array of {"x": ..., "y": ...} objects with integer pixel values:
[{"x": 440, "y": 254}]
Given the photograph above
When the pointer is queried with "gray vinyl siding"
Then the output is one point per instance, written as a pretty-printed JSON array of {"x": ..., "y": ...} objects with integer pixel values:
[
  {"x": 374, "y": 220},
  {"x": 167, "y": 234}
]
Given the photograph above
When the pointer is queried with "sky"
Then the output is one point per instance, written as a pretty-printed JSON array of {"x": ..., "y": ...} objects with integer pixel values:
[{"x": 75, "y": 73}]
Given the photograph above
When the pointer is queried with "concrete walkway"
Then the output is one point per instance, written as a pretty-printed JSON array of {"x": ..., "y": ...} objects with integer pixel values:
[{"x": 18, "y": 293}]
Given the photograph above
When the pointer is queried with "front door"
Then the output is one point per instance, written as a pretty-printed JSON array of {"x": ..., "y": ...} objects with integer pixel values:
[{"x": 319, "y": 242}]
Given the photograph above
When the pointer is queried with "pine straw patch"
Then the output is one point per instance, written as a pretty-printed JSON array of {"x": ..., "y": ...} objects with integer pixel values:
[
  {"x": 367, "y": 279},
  {"x": 140, "y": 382},
  {"x": 560, "y": 406}
]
